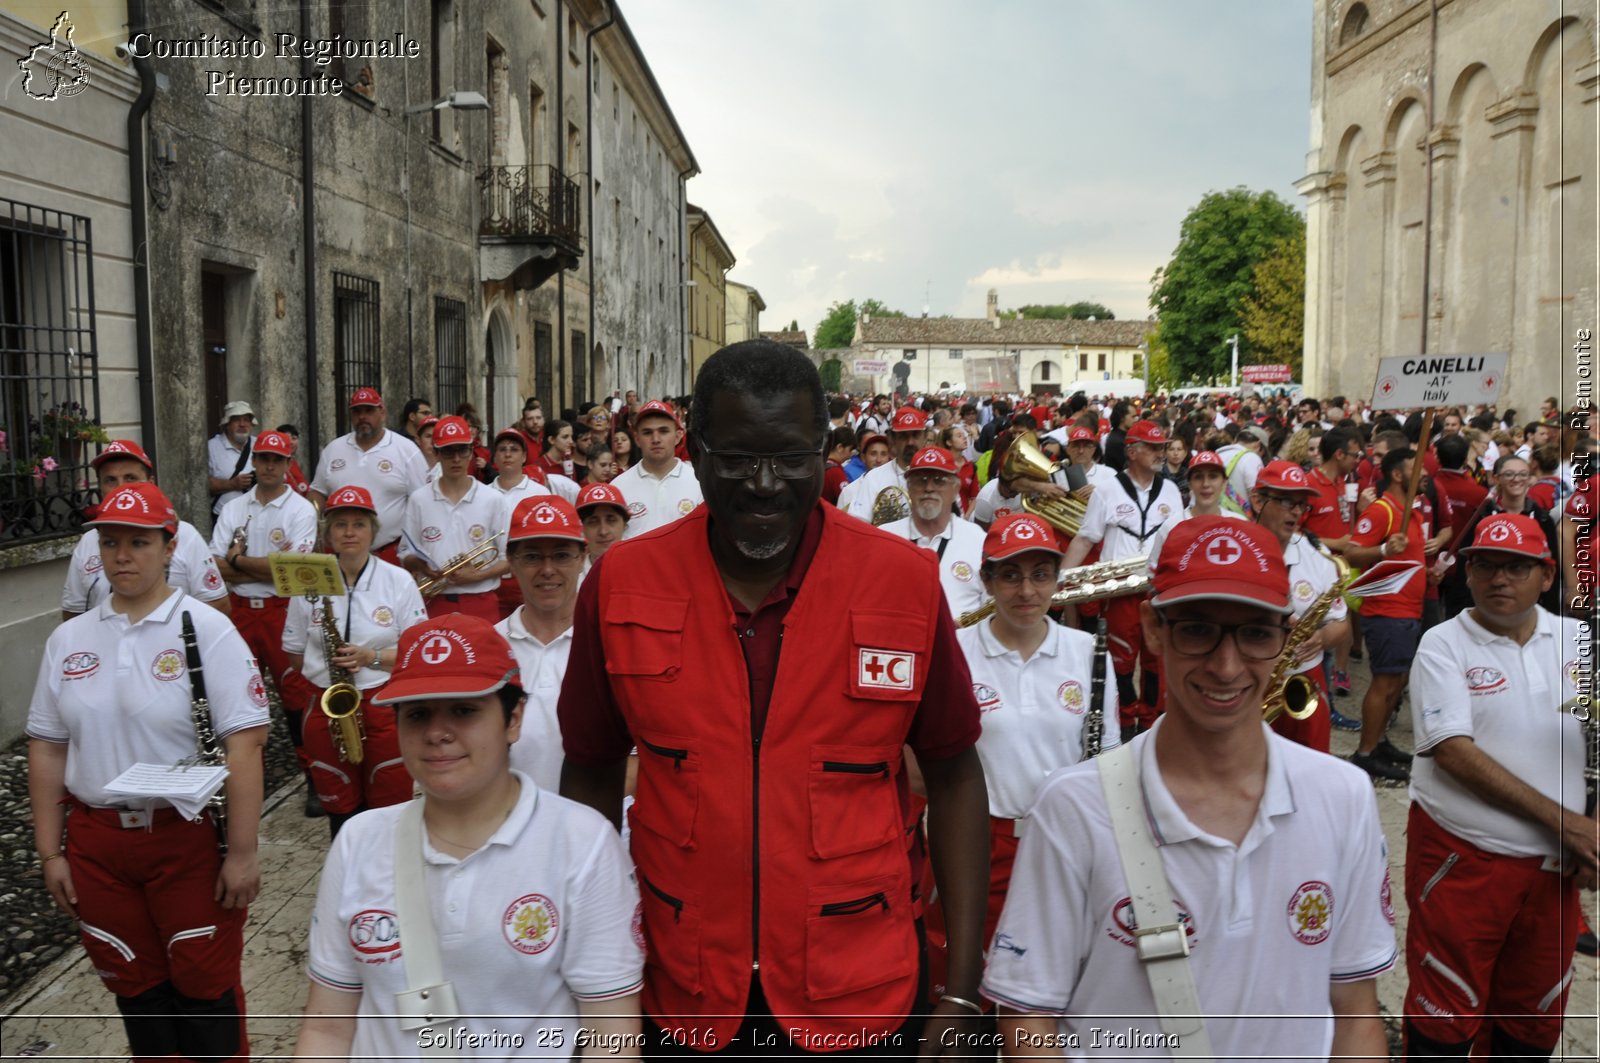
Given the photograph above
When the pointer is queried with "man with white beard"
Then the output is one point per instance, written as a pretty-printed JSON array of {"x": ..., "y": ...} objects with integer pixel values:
[{"x": 932, "y": 483}]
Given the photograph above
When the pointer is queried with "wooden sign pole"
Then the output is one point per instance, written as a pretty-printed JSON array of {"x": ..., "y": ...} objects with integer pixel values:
[{"x": 1416, "y": 468}]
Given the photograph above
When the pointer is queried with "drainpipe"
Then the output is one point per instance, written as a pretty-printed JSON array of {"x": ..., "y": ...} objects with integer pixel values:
[
  {"x": 308, "y": 237},
  {"x": 139, "y": 222},
  {"x": 683, "y": 292},
  {"x": 1427, "y": 191},
  {"x": 561, "y": 169},
  {"x": 588, "y": 162}
]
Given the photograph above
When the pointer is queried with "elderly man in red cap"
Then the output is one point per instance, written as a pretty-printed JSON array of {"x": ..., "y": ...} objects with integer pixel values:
[
  {"x": 1498, "y": 844},
  {"x": 1210, "y": 887},
  {"x": 907, "y": 432},
  {"x": 1125, "y": 519},
  {"x": 933, "y": 525},
  {"x": 661, "y": 487},
  {"x": 192, "y": 569},
  {"x": 380, "y": 462},
  {"x": 453, "y": 518}
]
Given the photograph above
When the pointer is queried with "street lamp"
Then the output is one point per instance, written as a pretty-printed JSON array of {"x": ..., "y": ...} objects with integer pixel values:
[{"x": 464, "y": 100}]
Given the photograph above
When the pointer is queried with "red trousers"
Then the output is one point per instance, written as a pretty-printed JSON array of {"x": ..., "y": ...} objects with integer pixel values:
[
  {"x": 261, "y": 625},
  {"x": 1489, "y": 940},
  {"x": 1314, "y": 731},
  {"x": 1125, "y": 640},
  {"x": 508, "y": 597},
  {"x": 381, "y": 777},
  {"x": 485, "y": 604},
  {"x": 1002, "y": 855},
  {"x": 389, "y": 552},
  {"x": 145, "y": 896}
]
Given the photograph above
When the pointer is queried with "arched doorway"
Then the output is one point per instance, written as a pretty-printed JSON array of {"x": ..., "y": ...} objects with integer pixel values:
[
  {"x": 1045, "y": 379},
  {"x": 502, "y": 401},
  {"x": 600, "y": 374}
]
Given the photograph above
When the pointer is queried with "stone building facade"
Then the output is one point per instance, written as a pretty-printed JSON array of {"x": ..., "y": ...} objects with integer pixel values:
[
  {"x": 1450, "y": 187},
  {"x": 744, "y": 312}
]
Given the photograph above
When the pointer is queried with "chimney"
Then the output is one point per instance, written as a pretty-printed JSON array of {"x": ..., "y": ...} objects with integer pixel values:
[{"x": 993, "y": 312}]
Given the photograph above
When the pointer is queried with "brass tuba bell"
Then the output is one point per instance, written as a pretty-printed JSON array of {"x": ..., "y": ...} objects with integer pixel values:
[
  {"x": 892, "y": 504},
  {"x": 1025, "y": 460}
]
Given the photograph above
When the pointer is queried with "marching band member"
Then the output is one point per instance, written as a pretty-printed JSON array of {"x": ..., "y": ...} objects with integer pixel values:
[
  {"x": 530, "y": 895},
  {"x": 160, "y": 908},
  {"x": 381, "y": 462},
  {"x": 547, "y": 552},
  {"x": 1033, "y": 680},
  {"x": 661, "y": 487},
  {"x": 605, "y": 519},
  {"x": 1280, "y": 500},
  {"x": 513, "y": 482},
  {"x": 380, "y": 601},
  {"x": 447, "y": 520},
  {"x": 1277, "y": 883},
  {"x": 906, "y": 434},
  {"x": 933, "y": 525},
  {"x": 1497, "y": 844},
  {"x": 1205, "y": 497},
  {"x": 193, "y": 569}
]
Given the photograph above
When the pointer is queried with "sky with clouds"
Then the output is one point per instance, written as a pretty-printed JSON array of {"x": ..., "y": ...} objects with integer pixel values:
[{"x": 923, "y": 151}]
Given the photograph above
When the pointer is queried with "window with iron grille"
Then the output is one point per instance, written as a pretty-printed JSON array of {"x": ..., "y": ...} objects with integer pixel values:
[
  {"x": 49, "y": 372},
  {"x": 450, "y": 354},
  {"x": 355, "y": 339}
]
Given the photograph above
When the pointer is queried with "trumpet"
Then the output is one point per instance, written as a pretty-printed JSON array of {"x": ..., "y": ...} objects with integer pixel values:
[
  {"x": 1086, "y": 583},
  {"x": 473, "y": 557},
  {"x": 1024, "y": 459},
  {"x": 1295, "y": 695},
  {"x": 341, "y": 702}
]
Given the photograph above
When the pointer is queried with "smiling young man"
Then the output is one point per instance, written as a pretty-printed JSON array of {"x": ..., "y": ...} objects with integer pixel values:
[
  {"x": 1272, "y": 853},
  {"x": 769, "y": 829},
  {"x": 659, "y": 488},
  {"x": 1498, "y": 845}
]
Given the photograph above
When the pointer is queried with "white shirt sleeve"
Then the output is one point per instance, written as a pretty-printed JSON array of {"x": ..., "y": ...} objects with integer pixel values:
[
  {"x": 75, "y": 591},
  {"x": 194, "y": 568},
  {"x": 297, "y": 625},
  {"x": 320, "y": 482},
  {"x": 301, "y": 527},
  {"x": 1363, "y": 927},
  {"x": 234, "y": 689},
  {"x": 44, "y": 717},
  {"x": 1093, "y": 526},
  {"x": 330, "y": 963},
  {"x": 222, "y": 532},
  {"x": 411, "y": 527},
  {"x": 602, "y": 959},
  {"x": 1441, "y": 706}
]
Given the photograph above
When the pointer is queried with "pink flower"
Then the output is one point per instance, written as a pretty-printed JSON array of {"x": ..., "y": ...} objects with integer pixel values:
[
  {"x": 3, "y": 449},
  {"x": 45, "y": 466}
]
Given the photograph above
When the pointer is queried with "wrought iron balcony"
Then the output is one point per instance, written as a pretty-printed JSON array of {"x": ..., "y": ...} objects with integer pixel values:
[{"x": 530, "y": 203}]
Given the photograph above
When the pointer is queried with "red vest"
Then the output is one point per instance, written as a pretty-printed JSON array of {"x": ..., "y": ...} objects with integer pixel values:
[{"x": 784, "y": 854}]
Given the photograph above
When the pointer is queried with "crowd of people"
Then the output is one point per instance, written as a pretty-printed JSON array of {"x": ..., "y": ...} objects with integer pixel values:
[{"x": 926, "y": 727}]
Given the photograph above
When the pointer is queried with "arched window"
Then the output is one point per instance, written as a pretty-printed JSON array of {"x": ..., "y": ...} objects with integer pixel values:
[{"x": 1355, "y": 24}]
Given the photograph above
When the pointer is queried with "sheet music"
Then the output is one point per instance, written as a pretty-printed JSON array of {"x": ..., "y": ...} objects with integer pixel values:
[
  {"x": 1386, "y": 577},
  {"x": 187, "y": 787}
]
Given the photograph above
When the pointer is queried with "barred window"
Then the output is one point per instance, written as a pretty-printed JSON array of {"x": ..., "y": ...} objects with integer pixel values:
[
  {"x": 355, "y": 340},
  {"x": 450, "y": 354},
  {"x": 49, "y": 372}
]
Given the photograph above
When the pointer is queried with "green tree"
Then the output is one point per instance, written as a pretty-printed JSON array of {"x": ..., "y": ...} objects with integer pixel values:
[
  {"x": 1082, "y": 310},
  {"x": 1162, "y": 377},
  {"x": 831, "y": 371},
  {"x": 1200, "y": 294},
  {"x": 1275, "y": 313},
  {"x": 838, "y": 328},
  {"x": 794, "y": 325}
]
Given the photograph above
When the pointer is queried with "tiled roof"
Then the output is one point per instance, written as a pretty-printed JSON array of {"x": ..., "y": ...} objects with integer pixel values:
[
  {"x": 793, "y": 339},
  {"x": 963, "y": 332}
]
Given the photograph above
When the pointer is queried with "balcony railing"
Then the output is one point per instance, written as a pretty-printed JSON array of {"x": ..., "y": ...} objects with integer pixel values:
[{"x": 530, "y": 202}]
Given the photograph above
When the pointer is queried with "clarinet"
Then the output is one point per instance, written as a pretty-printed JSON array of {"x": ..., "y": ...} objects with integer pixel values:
[
  {"x": 207, "y": 750},
  {"x": 1094, "y": 724}
]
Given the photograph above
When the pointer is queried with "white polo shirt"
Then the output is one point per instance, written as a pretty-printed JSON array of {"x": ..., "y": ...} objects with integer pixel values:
[
  {"x": 438, "y": 530},
  {"x": 1310, "y": 574},
  {"x": 1126, "y": 527},
  {"x": 1160, "y": 538},
  {"x": 222, "y": 457},
  {"x": 384, "y": 602},
  {"x": 960, "y": 551},
  {"x": 1302, "y": 901},
  {"x": 889, "y": 474},
  {"x": 542, "y": 666},
  {"x": 990, "y": 506},
  {"x": 390, "y": 471},
  {"x": 119, "y": 693},
  {"x": 193, "y": 570},
  {"x": 657, "y": 501},
  {"x": 1466, "y": 680},
  {"x": 543, "y": 916},
  {"x": 1033, "y": 710},
  {"x": 286, "y": 525}
]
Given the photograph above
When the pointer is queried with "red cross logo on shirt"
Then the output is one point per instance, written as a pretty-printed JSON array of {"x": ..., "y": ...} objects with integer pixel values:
[
  {"x": 436, "y": 649},
  {"x": 1223, "y": 552}
]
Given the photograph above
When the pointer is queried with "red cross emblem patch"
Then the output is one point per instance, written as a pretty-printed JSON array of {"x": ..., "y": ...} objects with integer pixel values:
[{"x": 886, "y": 669}]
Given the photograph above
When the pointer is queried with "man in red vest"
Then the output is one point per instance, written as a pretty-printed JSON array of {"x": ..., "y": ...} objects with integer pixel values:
[{"x": 770, "y": 699}]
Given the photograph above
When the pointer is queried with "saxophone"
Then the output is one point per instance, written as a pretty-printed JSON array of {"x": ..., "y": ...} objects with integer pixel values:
[
  {"x": 1295, "y": 695},
  {"x": 208, "y": 750},
  {"x": 341, "y": 702}
]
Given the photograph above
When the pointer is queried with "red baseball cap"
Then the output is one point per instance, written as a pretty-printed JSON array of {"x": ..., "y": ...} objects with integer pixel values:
[
  {"x": 876, "y": 437},
  {"x": 933, "y": 459},
  {"x": 123, "y": 449},
  {"x": 1207, "y": 459},
  {"x": 601, "y": 495},
  {"x": 545, "y": 517},
  {"x": 452, "y": 432},
  {"x": 656, "y": 408},
  {"x": 1511, "y": 533},
  {"x": 516, "y": 435},
  {"x": 1147, "y": 432},
  {"x": 365, "y": 397},
  {"x": 1280, "y": 475},
  {"x": 908, "y": 419},
  {"x": 1019, "y": 533},
  {"x": 427, "y": 423},
  {"x": 1222, "y": 559},
  {"x": 1082, "y": 434},
  {"x": 274, "y": 443},
  {"x": 452, "y": 656},
  {"x": 350, "y": 498},
  {"x": 138, "y": 505}
]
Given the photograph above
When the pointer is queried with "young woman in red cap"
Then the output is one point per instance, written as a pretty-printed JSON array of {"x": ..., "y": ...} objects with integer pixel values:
[
  {"x": 524, "y": 899},
  {"x": 160, "y": 899},
  {"x": 605, "y": 519}
]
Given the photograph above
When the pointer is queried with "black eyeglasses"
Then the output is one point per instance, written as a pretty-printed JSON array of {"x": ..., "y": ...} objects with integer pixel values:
[
  {"x": 1518, "y": 569},
  {"x": 1199, "y": 638},
  {"x": 741, "y": 465},
  {"x": 1294, "y": 502}
]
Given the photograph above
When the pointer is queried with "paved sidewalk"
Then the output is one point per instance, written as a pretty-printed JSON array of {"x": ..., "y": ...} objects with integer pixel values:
[{"x": 66, "y": 1006}]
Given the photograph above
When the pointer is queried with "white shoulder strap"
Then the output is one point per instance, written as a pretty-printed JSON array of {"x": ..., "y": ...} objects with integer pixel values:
[
  {"x": 428, "y": 999},
  {"x": 1162, "y": 943}
]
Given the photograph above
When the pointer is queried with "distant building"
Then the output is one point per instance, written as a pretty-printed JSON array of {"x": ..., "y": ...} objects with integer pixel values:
[
  {"x": 744, "y": 312},
  {"x": 993, "y": 354},
  {"x": 710, "y": 259},
  {"x": 793, "y": 339},
  {"x": 1499, "y": 253}
]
